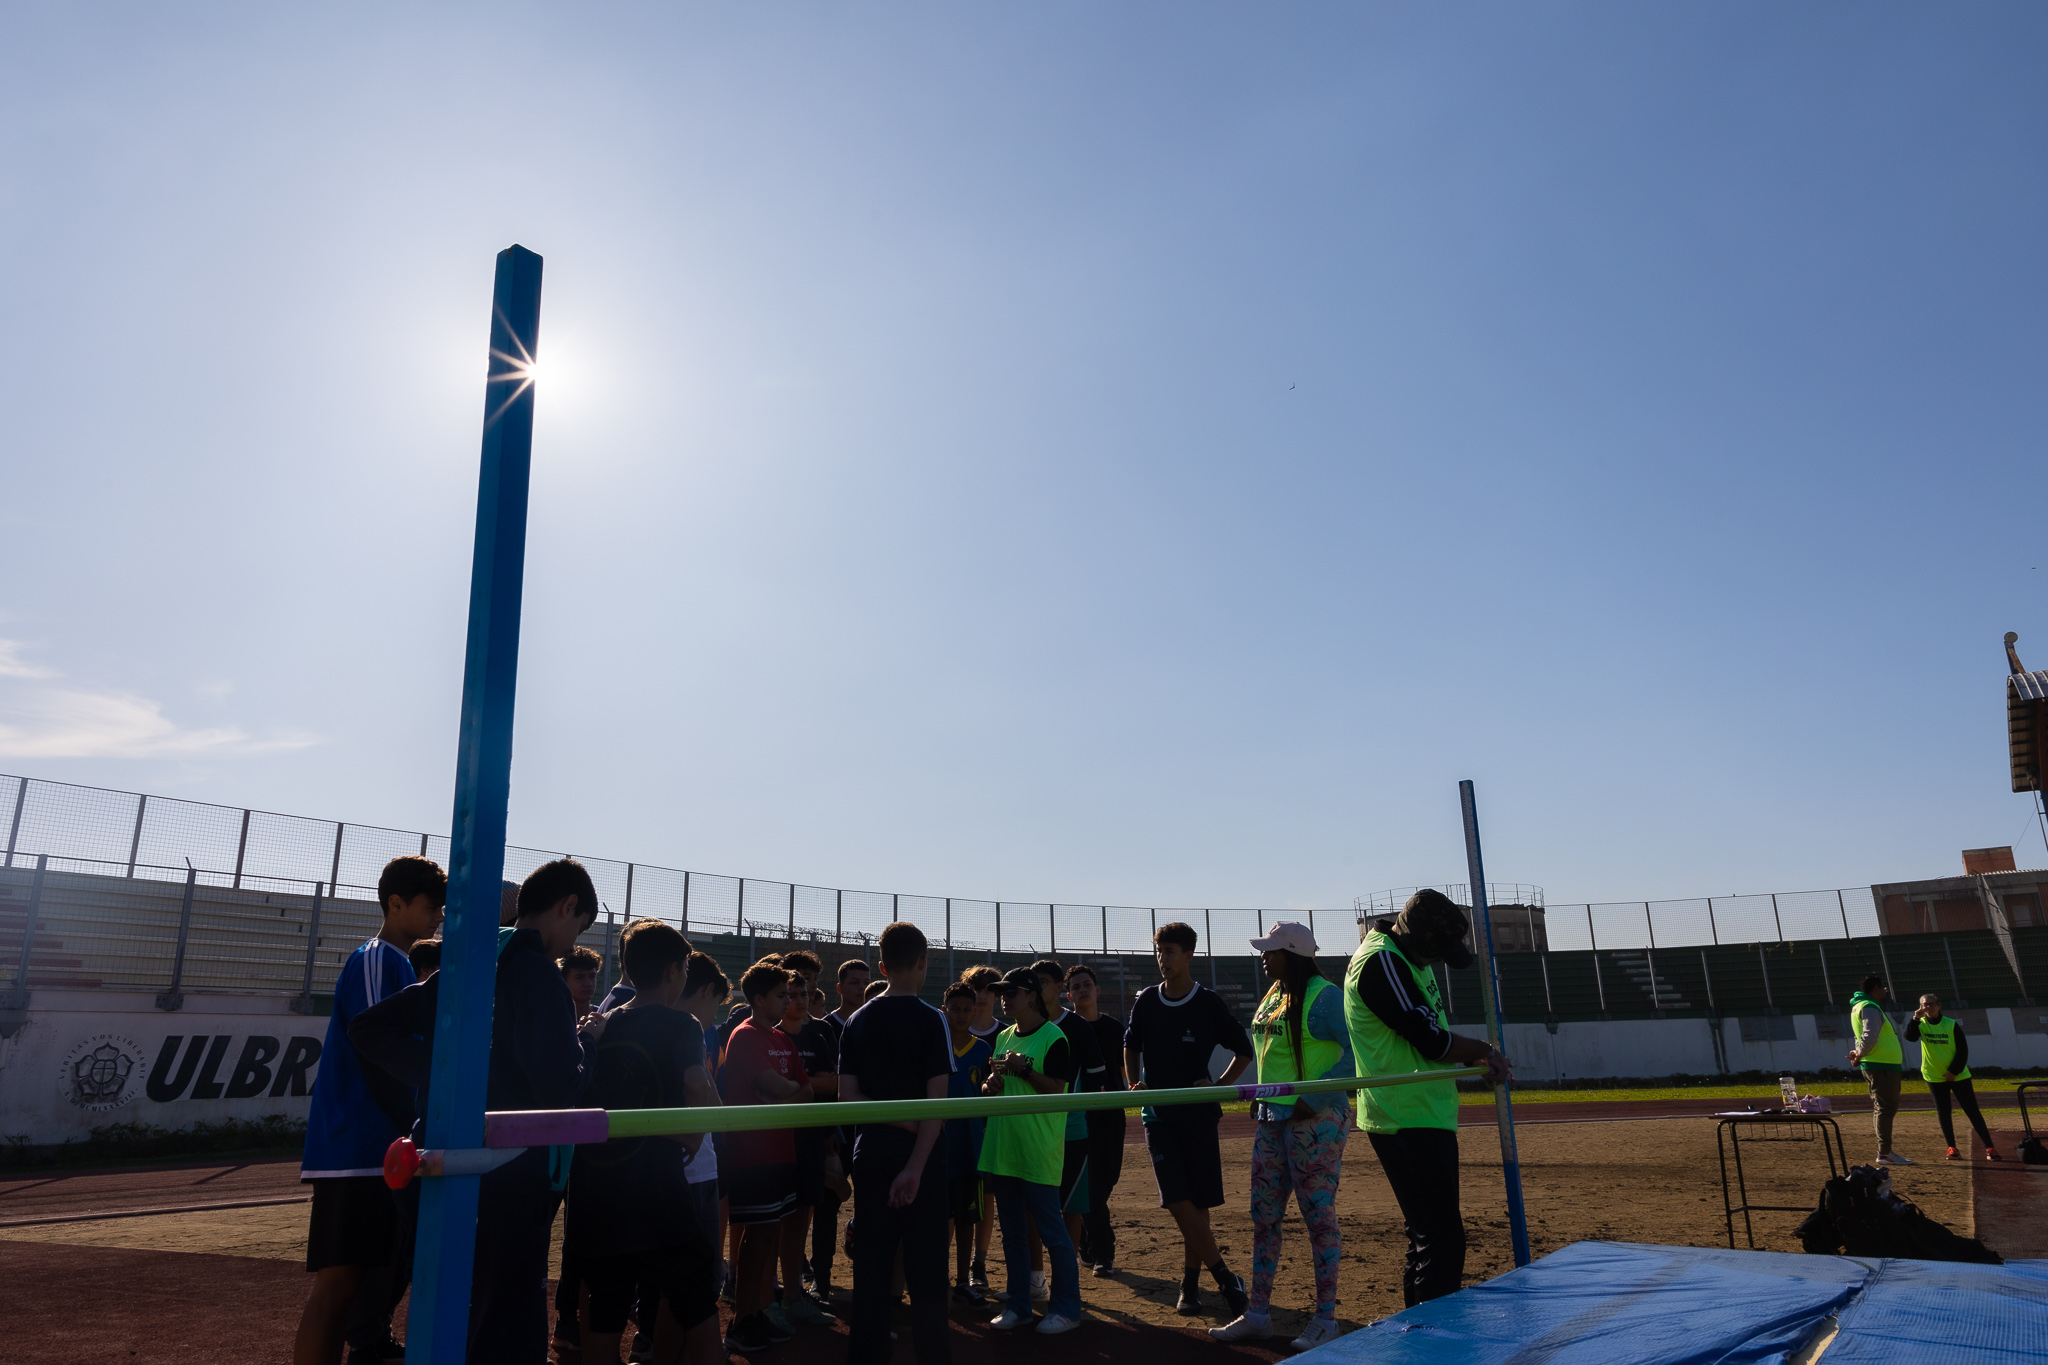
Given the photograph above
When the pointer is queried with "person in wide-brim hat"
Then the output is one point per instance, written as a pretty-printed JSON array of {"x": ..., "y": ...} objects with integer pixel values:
[{"x": 1298, "y": 1034}]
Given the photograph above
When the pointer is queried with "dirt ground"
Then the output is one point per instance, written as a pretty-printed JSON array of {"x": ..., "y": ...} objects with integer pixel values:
[{"x": 1643, "y": 1181}]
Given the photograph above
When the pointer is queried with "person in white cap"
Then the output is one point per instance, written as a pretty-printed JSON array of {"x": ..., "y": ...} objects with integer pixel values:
[{"x": 1298, "y": 1033}]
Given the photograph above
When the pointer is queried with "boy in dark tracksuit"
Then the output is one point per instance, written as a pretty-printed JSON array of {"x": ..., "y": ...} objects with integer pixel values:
[{"x": 537, "y": 1062}]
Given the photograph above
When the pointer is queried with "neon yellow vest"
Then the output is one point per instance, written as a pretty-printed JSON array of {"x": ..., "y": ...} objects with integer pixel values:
[
  {"x": 1885, "y": 1051},
  {"x": 1275, "y": 1050},
  {"x": 1938, "y": 1050},
  {"x": 1029, "y": 1146},
  {"x": 1379, "y": 1051}
]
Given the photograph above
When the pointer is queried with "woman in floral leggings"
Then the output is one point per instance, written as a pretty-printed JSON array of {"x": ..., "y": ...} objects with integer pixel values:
[{"x": 1298, "y": 1032}]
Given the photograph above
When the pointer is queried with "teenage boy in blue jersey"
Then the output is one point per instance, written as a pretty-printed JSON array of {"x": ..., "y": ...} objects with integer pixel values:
[
  {"x": 537, "y": 1061},
  {"x": 356, "y": 1224}
]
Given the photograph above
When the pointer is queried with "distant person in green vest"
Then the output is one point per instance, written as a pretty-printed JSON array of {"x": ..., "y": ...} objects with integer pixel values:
[
  {"x": 1945, "y": 1066},
  {"x": 1396, "y": 1018},
  {"x": 1877, "y": 1053},
  {"x": 1022, "y": 1155},
  {"x": 1298, "y": 1033}
]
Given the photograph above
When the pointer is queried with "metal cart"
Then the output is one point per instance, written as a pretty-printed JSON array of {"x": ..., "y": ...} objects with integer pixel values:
[{"x": 1739, "y": 1130}]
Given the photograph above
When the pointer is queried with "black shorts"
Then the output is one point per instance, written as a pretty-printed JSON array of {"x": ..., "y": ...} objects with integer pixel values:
[
  {"x": 963, "y": 1199},
  {"x": 686, "y": 1275},
  {"x": 758, "y": 1194},
  {"x": 810, "y": 1167},
  {"x": 1187, "y": 1162},
  {"x": 1074, "y": 1177},
  {"x": 355, "y": 1222}
]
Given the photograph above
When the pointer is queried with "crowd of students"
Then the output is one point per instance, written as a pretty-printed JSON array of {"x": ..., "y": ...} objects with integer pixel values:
[{"x": 657, "y": 1230}]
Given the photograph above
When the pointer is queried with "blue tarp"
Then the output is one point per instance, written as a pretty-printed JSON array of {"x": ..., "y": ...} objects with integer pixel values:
[
  {"x": 1617, "y": 1303},
  {"x": 1937, "y": 1313}
]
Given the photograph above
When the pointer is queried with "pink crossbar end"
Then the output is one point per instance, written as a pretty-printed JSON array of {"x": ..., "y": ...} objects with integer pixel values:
[
  {"x": 1264, "y": 1092},
  {"x": 545, "y": 1127}
]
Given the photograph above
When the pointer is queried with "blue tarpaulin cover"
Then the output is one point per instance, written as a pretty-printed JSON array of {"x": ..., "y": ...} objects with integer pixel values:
[
  {"x": 1618, "y": 1303},
  {"x": 1939, "y": 1313}
]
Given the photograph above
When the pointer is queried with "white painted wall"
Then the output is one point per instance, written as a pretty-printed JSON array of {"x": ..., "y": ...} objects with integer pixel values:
[
  {"x": 88, "y": 1058},
  {"x": 1669, "y": 1047}
]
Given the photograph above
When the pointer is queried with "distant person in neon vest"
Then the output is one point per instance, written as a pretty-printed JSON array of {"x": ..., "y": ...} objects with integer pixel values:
[
  {"x": 1878, "y": 1055},
  {"x": 1396, "y": 1019},
  {"x": 1298, "y": 1033},
  {"x": 1945, "y": 1066}
]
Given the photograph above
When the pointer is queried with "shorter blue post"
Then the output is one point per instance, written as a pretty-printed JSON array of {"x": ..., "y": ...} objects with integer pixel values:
[{"x": 1489, "y": 990}]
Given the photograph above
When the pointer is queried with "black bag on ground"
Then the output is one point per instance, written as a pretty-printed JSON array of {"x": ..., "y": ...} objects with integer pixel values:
[
  {"x": 1860, "y": 1216},
  {"x": 2033, "y": 1151}
]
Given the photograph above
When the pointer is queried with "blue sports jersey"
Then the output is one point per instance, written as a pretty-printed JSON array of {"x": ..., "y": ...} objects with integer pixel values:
[
  {"x": 963, "y": 1136},
  {"x": 346, "y": 1131}
]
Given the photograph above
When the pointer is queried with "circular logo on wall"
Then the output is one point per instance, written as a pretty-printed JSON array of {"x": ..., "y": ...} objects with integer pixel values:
[{"x": 103, "y": 1072}]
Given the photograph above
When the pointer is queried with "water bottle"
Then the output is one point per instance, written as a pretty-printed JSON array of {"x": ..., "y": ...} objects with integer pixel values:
[{"x": 1788, "y": 1087}]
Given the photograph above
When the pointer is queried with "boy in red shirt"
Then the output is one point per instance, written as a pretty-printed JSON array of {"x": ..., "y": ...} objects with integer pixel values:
[{"x": 758, "y": 1167}]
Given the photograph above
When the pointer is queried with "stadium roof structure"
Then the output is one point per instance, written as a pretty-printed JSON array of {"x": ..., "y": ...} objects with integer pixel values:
[{"x": 2026, "y": 720}]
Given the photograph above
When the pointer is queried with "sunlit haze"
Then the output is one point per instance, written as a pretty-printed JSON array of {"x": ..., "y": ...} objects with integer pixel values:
[{"x": 1139, "y": 453}]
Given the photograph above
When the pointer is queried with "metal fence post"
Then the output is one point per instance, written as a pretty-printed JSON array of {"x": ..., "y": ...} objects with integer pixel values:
[
  {"x": 629, "y": 891},
  {"x": 792, "y": 926},
  {"x": 1652, "y": 924},
  {"x": 1843, "y": 906},
  {"x": 999, "y": 927},
  {"x": 19, "y": 1000},
  {"x": 951, "y": 975},
  {"x": 1594, "y": 940},
  {"x": 1209, "y": 940},
  {"x": 1712, "y": 928},
  {"x": 839, "y": 915},
  {"x": 1774, "y": 917},
  {"x": 305, "y": 1003},
  {"x": 241, "y": 848},
  {"x": 135, "y": 842},
  {"x": 1052, "y": 927},
  {"x": 14, "y": 827},
  {"x": 334, "y": 875},
  {"x": 1105, "y": 931},
  {"x": 739, "y": 914},
  {"x": 174, "y": 998},
  {"x": 686, "y": 902}
]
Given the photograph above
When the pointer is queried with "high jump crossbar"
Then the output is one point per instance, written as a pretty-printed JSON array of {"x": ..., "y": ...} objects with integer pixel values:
[{"x": 508, "y": 1132}]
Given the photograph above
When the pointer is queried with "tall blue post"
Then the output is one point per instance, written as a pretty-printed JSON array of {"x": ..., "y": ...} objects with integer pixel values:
[
  {"x": 1489, "y": 991},
  {"x": 438, "y": 1328}
]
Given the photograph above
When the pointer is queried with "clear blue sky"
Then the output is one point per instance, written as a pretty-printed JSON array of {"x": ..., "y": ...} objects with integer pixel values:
[{"x": 1142, "y": 453}]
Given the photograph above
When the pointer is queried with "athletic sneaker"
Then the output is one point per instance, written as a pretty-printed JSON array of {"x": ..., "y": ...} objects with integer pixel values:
[
  {"x": 1894, "y": 1159},
  {"x": 1190, "y": 1301},
  {"x": 1104, "y": 1269},
  {"x": 1250, "y": 1327},
  {"x": 1041, "y": 1287},
  {"x": 977, "y": 1275},
  {"x": 776, "y": 1324},
  {"x": 1318, "y": 1331},
  {"x": 1231, "y": 1286},
  {"x": 967, "y": 1293},
  {"x": 803, "y": 1310},
  {"x": 1009, "y": 1320},
  {"x": 1055, "y": 1323},
  {"x": 1991, "y": 1154},
  {"x": 748, "y": 1335},
  {"x": 1953, "y": 1155}
]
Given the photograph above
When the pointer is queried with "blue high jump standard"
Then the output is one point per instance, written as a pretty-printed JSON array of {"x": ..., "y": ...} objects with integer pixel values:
[
  {"x": 1620, "y": 1303},
  {"x": 438, "y": 1327}
]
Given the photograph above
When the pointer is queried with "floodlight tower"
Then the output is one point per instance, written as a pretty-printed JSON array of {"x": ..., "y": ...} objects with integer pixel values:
[{"x": 2026, "y": 728}]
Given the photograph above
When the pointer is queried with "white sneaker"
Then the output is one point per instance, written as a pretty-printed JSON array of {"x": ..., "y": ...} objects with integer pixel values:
[
  {"x": 1009, "y": 1320},
  {"x": 1250, "y": 1327},
  {"x": 1041, "y": 1287},
  {"x": 1893, "y": 1159},
  {"x": 1318, "y": 1331},
  {"x": 1055, "y": 1323}
]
